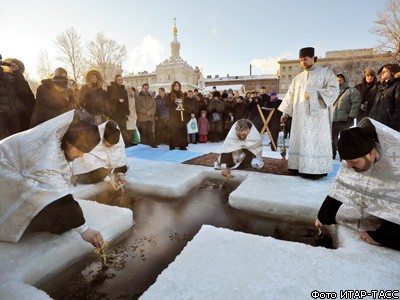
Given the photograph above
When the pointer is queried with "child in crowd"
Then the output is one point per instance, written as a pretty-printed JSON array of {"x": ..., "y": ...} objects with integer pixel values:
[
  {"x": 192, "y": 129},
  {"x": 204, "y": 127}
]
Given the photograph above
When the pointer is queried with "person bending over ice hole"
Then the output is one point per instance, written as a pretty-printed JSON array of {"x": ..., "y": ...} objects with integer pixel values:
[
  {"x": 242, "y": 145},
  {"x": 106, "y": 162},
  {"x": 35, "y": 179},
  {"x": 368, "y": 180}
]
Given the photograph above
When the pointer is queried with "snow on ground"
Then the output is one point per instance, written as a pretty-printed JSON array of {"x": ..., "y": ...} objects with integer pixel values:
[{"x": 217, "y": 263}]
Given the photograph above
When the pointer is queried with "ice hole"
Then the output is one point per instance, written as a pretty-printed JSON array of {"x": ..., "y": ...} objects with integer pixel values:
[{"x": 163, "y": 228}]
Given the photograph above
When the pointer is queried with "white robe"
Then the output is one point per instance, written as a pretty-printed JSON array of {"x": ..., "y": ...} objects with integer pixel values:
[
  {"x": 33, "y": 173},
  {"x": 234, "y": 145},
  {"x": 101, "y": 156},
  {"x": 376, "y": 191},
  {"x": 310, "y": 148}
]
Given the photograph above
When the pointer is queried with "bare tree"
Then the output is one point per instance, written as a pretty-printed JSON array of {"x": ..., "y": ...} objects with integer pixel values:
[
  {"x": 388, "y": 28},
  {"x": 106, "y": 55},
  {"x": 44, "y": 65},
  {"x": 70, "y": 45}
]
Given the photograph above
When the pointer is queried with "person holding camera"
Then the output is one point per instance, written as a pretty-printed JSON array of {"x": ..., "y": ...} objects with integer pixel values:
[{"x": 16, "y": 98}]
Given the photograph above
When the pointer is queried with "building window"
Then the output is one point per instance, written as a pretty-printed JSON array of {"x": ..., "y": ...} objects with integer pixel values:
[
  {"x": 290, "y": 68},
  {"x": 290, "y": 77},
  {"x": 297, "y": 68},
  {"x": 283, "y": 86},
  {"x": 283, "y": 69},
  {"x": 283, "y": 77}
]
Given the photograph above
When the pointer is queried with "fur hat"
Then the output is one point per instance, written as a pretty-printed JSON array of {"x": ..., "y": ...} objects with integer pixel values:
[
  {"x": 354, "y": 143},
  {"x": 111, "y": 132},
  {"x": 60, "y": 71},
  {"x": 83, "y": 135},
  {"x": 308, "y": 51}
]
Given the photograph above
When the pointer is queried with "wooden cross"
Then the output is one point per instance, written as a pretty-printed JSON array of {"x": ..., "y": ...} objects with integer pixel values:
[{"x": 265, "y": 127}]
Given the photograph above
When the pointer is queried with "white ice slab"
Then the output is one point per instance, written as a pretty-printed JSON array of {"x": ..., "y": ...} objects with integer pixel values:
[
  {"x": 281, "y": 195},
  {"x": 223, "y": 264}
]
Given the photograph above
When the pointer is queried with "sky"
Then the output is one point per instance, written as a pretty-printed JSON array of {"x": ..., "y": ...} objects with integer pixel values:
[{"x": 220, "y": 37}]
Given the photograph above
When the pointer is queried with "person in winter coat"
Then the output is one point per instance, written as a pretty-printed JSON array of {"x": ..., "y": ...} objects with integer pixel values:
[
  {"x": 241, "y": 109},
  {"x": 215, "y": 109},
  {"x": 274, "y": 124},
  {"x": 254, "y": 114},
  {"x": 229, "y": 112},
  {"x": 146, "y": 110},
  {"x": 92, "y": 97},
  {"x": 161, "y": 118},
  {"x": 386, "y": 103},
  {"x": 52, "y": 100},
  {"x": 345, "y": 109},
  {"x": 131, "y": 125},
  {"x": 203, "y": 126},
  {"x": 117, "y": 98},
  {"x": 177, "y": 118},
  {"x": 365, "y": 88},
  {"x": 16, "y": 99}
]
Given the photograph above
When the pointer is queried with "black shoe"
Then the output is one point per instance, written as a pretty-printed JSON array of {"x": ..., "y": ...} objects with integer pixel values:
[
  {"x": 171, "y": 148},
  {"x": 182, "y": 148},
  {"x": 153, "y": 146},
  {"x": 293, "y": 172}
]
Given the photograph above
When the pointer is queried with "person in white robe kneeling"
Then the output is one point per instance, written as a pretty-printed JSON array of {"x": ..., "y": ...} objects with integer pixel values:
[
  {"x": 242, "y": 145},
  {"x": 367, "y": 184},
  {"x": 106, "y": 162},
  {"x": 35, "y": 179}
]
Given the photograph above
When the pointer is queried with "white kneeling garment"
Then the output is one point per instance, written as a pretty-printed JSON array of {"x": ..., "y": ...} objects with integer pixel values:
[
  {"x": 376, "y": 191},
  {"x": 33, "y": 173},
  {"x": 234, "y": 145},
  {"x": 101, "y": 156}
]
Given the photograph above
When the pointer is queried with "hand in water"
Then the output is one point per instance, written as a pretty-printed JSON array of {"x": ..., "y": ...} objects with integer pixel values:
[{"x": 94, "y": 237}]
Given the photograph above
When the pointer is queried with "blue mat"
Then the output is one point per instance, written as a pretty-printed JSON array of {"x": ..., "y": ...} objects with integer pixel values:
[
  {"x": 336, "y": 166},
  {"x": 146, "y": 152}
]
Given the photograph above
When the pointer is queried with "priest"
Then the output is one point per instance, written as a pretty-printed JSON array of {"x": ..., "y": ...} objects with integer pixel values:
[
  {"x": 106, "y": 162},
  {"x": 368, "y": 181},
  {"x": 242, "y": 145},
  {"x": 309, "y": 102},
  {"x": 35, "y": 179}
]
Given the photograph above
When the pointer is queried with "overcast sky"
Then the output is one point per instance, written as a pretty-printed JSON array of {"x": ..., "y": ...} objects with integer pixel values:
[{"x": 221, "y": 37}]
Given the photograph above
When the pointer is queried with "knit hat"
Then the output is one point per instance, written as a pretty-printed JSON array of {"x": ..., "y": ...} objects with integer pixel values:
[
  {"x": 273, "y": 94},
  {"x": 369, "y": 72},
  {"x": 111, "y": 132},
  {"x": 308, "y": 51},
  {"x": 354, "y": 143},
  {"x": 83, "y": 135}
]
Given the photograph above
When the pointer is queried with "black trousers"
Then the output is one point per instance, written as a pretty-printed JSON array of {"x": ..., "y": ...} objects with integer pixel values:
[
  {"x": 146, "y": 133},
  {"x": 58, "y": 217}
]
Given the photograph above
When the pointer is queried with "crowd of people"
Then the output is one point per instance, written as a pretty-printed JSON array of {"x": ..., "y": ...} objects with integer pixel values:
[{"x": 319, "y": 110}]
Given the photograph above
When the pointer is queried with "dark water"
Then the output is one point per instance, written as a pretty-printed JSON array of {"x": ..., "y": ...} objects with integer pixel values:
[{"x": 162, "y": 230}]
